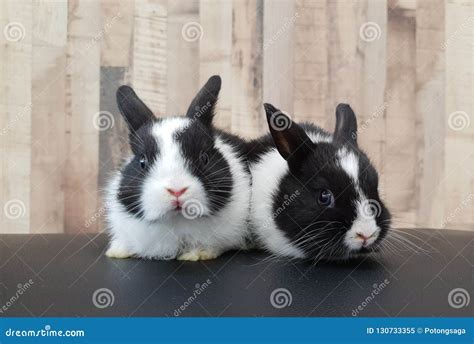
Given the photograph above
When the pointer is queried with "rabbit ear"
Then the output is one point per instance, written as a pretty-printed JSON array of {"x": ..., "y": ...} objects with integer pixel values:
[
  {"x": 346, "y": 125},
  {"x": 202, "y": 106},
  {"x": 290, "y": 139},
  {"x": 133, "y": 110}
]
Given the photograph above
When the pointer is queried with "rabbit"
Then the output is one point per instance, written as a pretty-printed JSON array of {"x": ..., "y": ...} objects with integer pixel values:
[
  {"x": 184, "y": 193},
  {"x": 314, "y": 195}
]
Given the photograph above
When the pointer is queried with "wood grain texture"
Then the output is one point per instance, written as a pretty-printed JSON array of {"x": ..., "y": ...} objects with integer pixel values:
[
  {"x": 82, "y": 126},
  {"x": 116, "y": 32},
  {"x": 15, "y": 124},
  {"x": 216, "y": 54},
  {"x": 399, "y": 146},
  {"x": 248, "y": 119},
  {"x": 48, "y": 156},
  {"x": 149, "y": 55},
  {"x": 278, "y": 56},
  {"x": 184, "y": 32},
  {"x": 405, "y": 66},
  {"x": 430, "y": 104},
  {"x": 459, "y": 144}
]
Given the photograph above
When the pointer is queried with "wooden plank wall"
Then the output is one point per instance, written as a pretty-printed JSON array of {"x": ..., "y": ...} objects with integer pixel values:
[{"x": 406, "y": 67}]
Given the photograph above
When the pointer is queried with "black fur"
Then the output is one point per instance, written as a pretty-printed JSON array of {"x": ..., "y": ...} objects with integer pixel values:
[{"x": 315, "y": 229}]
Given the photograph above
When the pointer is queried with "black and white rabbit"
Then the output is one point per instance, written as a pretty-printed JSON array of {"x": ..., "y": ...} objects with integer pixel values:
[
  {"x": 314, "y": 195},
  {"x": 185, "y": 191}
]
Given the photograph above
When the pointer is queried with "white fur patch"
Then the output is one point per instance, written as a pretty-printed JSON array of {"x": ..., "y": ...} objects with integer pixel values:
[
  {"x": 266, "y": 177},
  {"x": 349, "y": 163}
]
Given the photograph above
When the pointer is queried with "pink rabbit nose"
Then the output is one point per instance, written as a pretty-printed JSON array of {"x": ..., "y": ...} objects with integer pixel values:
[
  {"x": 363, "y": 236},
  {"x": 176, "y": 193}
]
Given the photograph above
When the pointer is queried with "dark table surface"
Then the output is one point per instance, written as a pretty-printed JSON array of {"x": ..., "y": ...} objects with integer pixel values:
[{"x": 70, "y": 276}]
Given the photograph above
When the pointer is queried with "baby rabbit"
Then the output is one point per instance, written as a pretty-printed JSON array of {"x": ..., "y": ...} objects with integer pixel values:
[
  {"x": 185, "y": 191},
  {"x": 314, "y": 195}
]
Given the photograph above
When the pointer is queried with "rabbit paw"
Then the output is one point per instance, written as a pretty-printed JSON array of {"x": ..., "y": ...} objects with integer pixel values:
[
  {"x": 201, "y": 254},
  {"x": 117, "y": 251}
]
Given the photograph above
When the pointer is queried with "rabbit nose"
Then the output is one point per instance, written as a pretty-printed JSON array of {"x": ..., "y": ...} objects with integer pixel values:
[
  {"x": 176, "y": 193},
  {"x": 364, "y": 236}
]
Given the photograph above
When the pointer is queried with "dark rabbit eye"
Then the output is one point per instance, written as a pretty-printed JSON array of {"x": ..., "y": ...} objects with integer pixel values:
[
  {"x": 204, "y": 158},
  {"x": 326, "y": 198},
  {"x": 143, "y": 162}
]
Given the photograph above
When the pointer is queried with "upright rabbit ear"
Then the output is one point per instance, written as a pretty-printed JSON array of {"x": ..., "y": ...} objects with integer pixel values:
[
  {"x": 133, "y": 110},
  {"x": 290, "y": 139},
  {"x": 202, "y": 106},
  {"x": 346, "y": 125}
]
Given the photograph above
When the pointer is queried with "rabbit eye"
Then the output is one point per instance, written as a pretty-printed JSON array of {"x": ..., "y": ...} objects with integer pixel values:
[
  {"x": 143, "y": 162},
  {"x": 326, "y": 198},
  {"x": 204, "y": 158}
]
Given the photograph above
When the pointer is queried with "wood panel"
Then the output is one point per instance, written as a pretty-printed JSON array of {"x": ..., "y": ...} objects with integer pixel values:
[
  {"x": 405, "y": 66},
  {"x": 83, "y": 119},
  {"x": 459, "y": 145},
  {"x": 184, "y": 33},
  {"x": 399, "y": 140},
  {"x": 216, "y": 54},
  {"x": 15, "y": 123},
  {"x": 149, "y": 54},
  {"x": 278, "y": 56},
  {"x": 430, "y": 104},
  {"x": 48, "y": 156},
  {"x": 248, "y": 119}
]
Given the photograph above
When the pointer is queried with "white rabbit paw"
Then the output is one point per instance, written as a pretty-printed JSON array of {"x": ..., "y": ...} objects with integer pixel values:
[
  {"x": 199, "y": 254},
  {"x": 117, "y": 251}
]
